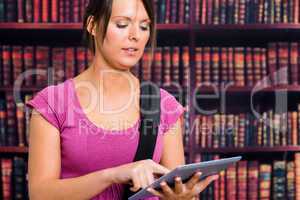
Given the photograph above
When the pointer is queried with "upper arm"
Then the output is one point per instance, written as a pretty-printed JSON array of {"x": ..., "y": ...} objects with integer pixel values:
[
  {"x": 44, "y": 150},
  {"x": 173, "y": 150}
]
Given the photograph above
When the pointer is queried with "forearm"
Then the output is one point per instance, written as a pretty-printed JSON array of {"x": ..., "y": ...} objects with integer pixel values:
[{"x": 79, "y": 188}]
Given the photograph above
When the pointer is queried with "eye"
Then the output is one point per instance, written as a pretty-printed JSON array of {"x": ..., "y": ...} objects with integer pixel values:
[
  {"x": 145, "y": 27},
  {"x": 121, "y": 24}
]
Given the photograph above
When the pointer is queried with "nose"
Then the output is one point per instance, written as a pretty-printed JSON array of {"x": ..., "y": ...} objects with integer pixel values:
[{"x": 134, "y": 33}]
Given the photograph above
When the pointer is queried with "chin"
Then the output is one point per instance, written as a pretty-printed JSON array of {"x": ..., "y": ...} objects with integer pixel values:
[{"x": 125, "y": 65}]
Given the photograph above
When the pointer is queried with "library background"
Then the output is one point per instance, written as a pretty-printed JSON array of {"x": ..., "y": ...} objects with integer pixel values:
[{"x": 234, "y": 65}]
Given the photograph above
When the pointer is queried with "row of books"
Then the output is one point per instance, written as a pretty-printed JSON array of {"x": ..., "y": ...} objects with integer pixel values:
[
  {"x": 42, "y": 10},
  {"x": 172, "y": 11},
  {"x": 170, "y": 66},
  {"x": 57, "y": 64},
  {"x": 277, "y": 64},
  {"x": 241, "y": 66},
  {"x": 14, "y": 121},
  {"x": 247, "y": 130},
  {"x": 246, "y": 11},
  {"x": 255, "y": 179},
  {"x": 14, "y": 178},
  {"x": 46, "y": 64},
  {"x": 72, "y": 11}
]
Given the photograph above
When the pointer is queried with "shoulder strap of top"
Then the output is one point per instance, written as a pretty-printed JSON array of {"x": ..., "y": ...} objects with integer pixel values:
[{"x": 150, "y": 119}]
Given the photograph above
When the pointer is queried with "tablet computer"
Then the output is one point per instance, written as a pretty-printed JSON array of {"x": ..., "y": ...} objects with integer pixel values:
[{"x": 186, "y": 172}]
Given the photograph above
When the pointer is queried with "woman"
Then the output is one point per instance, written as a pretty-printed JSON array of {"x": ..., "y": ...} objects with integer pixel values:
[{"x": 83, "y": 132}]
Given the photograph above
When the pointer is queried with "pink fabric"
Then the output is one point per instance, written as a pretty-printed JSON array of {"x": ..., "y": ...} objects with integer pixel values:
[{"x": 85, "y": 147}]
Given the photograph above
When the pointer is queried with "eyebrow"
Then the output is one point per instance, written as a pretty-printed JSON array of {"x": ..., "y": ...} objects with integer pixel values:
[{"x": 130, "y": 19}]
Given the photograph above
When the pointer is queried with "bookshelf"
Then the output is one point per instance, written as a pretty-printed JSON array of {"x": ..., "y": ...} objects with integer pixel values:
[
  {"x": 14, "y": 150},
  {"x": 206, "y": 33},
  {"x": 230, "y": 150},
  {"x": 192, "y": 35}
]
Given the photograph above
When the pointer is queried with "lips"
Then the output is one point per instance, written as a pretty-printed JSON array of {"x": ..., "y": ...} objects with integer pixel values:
[{"x": 130, "y": 50}]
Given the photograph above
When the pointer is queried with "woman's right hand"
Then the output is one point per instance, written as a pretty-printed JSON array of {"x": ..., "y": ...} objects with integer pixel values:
[{"x": 139, "y": 174}]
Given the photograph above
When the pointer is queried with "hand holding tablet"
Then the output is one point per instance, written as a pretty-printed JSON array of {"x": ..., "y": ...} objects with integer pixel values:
[{"x": 207, "y": 168}]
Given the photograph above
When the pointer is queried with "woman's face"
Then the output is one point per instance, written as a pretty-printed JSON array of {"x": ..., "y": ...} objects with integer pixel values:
[{"x": 127, "y": 34}]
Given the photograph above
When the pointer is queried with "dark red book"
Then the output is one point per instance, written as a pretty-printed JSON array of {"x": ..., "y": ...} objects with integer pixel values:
[
  {"x": 37, "y": 10},
  {"x": 242, "y": 180},
  {"x": 29, "y": 11},
  {"x": 29, "y": 64},
  {"x": 283, "y": 54},
  {"x": 54, "y": 11},
  {"x": 76, "y": 11},
  {"x": 58, "y": 64},
  {"x": 249, "y": 67},
  {"x": 186, "y": 65},
  {"x": 231, "y": 182},
  {"x": 42, "y": 64},
  {"x": 175, "y": 73},
  {"x": 272, "y": 62},
  {"x": 70, "y": 62},
  {"x": 6, "y": 172},
  {"x": 224, "y": 65},
  {"x": 17, "y": 58},
  {"x": 198, "y": 66},
  {"x": 253, "y": 180},
  {"x": 61, "y": 11},
  {"x": 294, "y": 63},
  {"x": 157, "y": 69},
  {"x": 45, "y": 11},
  {"x": 204, "y": 12},
  {"x": 11, "y": 120},
  {"x": 21, "y": 11},
  {"x": 81, "y": 59},
  {"x": 167, "y": 66},
  {"x": 7, "y": 63},
  {"x": 168, "y": 12}
]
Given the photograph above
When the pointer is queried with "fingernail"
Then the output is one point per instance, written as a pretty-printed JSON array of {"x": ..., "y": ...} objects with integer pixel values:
[
  {"x": 199, "y": 173},
  {"x": 149, "y": 189},
  {"x": 177, "y": 178},
  {"x": 163, "y": 183}
]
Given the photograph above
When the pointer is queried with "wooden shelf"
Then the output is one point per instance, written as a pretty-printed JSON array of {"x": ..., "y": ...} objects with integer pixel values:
[
  {"x": 249, "y": 34},
  {"x": 71, "y": 33},
  {"x": 228, "y": 150},
  {"x": 11, "y": 149},
  {"x": 64, "y": 33},
  {"x": 74, "y": 26},
  {"x": 36, "y": 89},
  {"x": 247, "y": 27},
  {"x": 203, "y": 89},
  {"x": 249, "y": 89}
]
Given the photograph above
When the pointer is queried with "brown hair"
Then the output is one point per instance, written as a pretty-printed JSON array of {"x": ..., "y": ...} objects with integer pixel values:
[{"x": 101, "y": 12}]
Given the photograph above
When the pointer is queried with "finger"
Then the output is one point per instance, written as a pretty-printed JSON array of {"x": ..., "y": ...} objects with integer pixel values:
[
  {"x": 194, "y": 180},
  {"x": 150, "y": 177},
  {"x": 157, "y": 168},
  {"x": 178, "y": 185},
  {"x": 203, "y": 184},
  {"x": 167, "y": 191},
  {"x": 136, "y": 183},
  {"x": 155, "y": 192},
  {"x": 143, "y": 180}
]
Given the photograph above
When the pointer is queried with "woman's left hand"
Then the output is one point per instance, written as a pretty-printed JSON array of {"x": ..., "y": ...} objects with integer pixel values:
[{"x": 187, "y": 191}]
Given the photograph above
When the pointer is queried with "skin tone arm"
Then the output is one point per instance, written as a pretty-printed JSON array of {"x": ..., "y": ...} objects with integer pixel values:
[
  {"x": 44, "y": 168},
  {"x": 173, "y": 145}
]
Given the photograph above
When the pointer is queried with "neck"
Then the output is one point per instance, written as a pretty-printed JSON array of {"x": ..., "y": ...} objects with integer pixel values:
[{"x": 111, "y": 80}]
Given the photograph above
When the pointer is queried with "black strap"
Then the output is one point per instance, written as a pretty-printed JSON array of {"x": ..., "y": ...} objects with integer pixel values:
[{"x": 150, "y": 118}]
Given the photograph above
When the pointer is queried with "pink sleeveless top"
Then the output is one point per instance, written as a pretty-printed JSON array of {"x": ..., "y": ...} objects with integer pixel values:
[{"x": 86, "y": 147}]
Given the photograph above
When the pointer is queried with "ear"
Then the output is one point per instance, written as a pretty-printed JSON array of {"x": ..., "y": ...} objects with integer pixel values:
[{"x": 90, "y": 25}]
